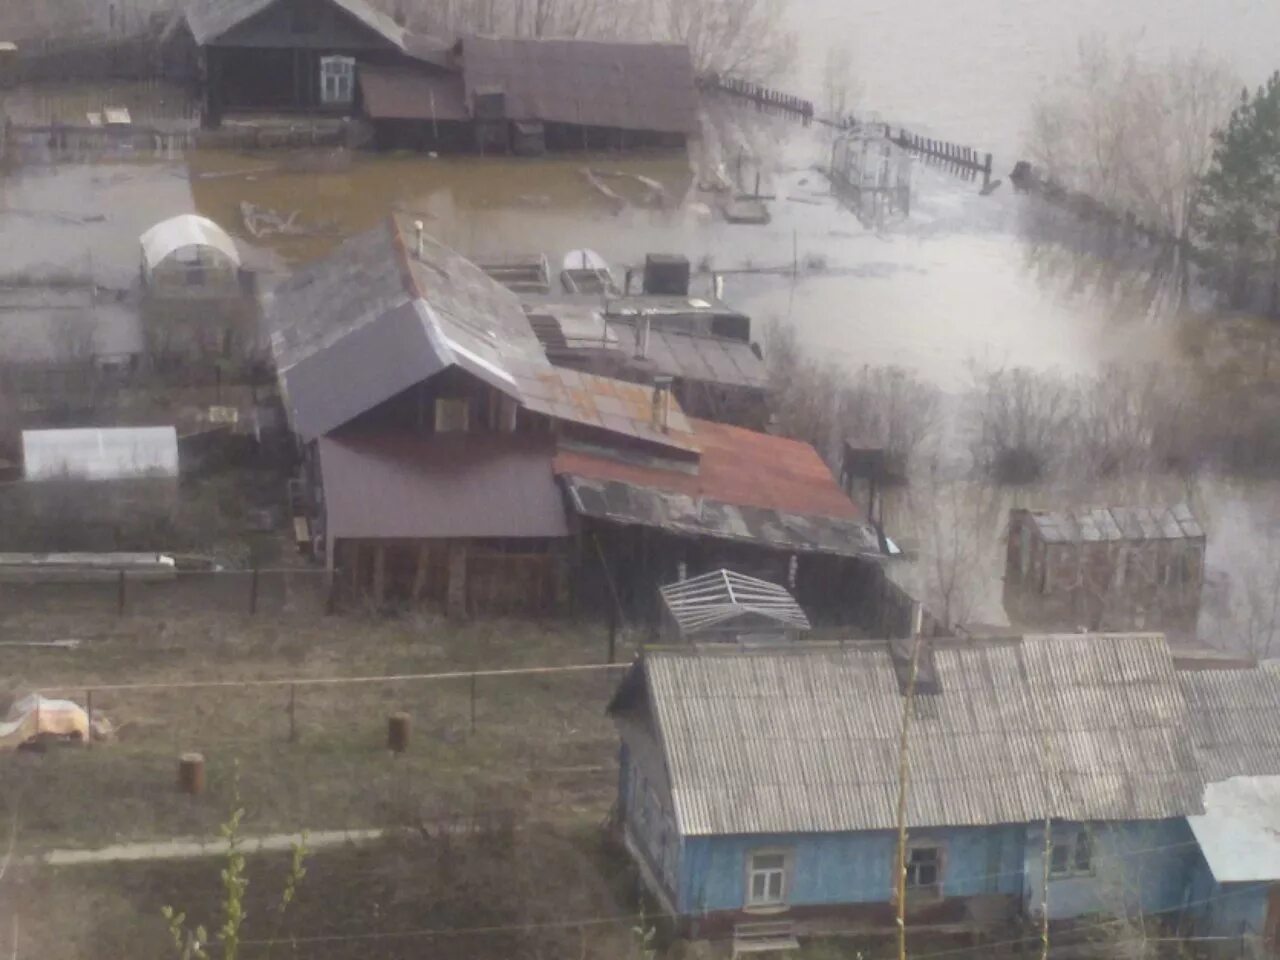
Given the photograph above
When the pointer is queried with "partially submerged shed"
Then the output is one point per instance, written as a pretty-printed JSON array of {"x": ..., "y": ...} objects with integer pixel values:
[
  {"x": 1105, "y": 568},
  {"x": 727, "y": 606}
]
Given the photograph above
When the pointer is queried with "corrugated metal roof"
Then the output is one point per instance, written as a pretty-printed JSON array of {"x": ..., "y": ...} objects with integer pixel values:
[
  {"x": 1113, "y": 524},
  {"x": 1235, "y": 717},
  {"x": 447, "y": 486},
  {"x": 1239, "y": 832},
  {"x": 722, "y": 595},
  {"x": 630, "y": 86},
  {"x": 210, "y": 19},
  {"x": 614, "y": 405},
  {"x": 402, "y": 93},
  {"x": 364, "y": 324},
  {"x": 738, "y": 466},
  {"x": 806, "y": 737},
  {"x": 100, "y": 454}
]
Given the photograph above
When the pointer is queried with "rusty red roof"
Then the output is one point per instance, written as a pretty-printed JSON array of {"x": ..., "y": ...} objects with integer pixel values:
[{"x": 739, "y": 467}]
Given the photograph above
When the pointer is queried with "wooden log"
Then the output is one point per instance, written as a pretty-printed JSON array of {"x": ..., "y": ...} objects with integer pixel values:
[
  {"x": 191, "y": 773},
  {"x": 398, "y": 732}
]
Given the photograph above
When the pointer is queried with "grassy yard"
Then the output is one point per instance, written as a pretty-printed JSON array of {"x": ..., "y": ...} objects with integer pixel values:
[
  {"x": 482, "y": 895},
  {"x": 538, "y": 744}
]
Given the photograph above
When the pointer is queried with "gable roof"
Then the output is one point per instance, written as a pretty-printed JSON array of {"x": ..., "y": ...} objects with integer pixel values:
[
  {"x": 359, "y": 327},
  {"x": 210, "y": 19},
  {"x": 1114, "y": 524},
  {"x": 805, "y": 738},
  {"x": 1235, "y": 720},
  {"x": 630, "y": 86}
]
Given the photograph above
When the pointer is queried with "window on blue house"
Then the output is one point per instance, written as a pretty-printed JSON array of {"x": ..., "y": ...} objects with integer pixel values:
[
  {"x": 767, "y": 878},
  {"x": 924, "y": 869},
  {"x": 1071, "y": 854}
]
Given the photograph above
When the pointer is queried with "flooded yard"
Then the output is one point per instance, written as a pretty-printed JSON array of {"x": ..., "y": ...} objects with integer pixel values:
[{"x": 953, "y": 286}]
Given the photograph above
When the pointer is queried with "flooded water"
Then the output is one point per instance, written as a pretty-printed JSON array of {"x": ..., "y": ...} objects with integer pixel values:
[
  {"x": 968, "y": 71},
  {"x": 953, "y": 285}
]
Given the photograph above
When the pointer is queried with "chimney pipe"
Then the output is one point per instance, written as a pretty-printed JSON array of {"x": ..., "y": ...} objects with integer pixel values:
[
  {"x": 642, "y": 337},
  {"x": 661, "y": 402},
  {"x": 418, "y": 228}
]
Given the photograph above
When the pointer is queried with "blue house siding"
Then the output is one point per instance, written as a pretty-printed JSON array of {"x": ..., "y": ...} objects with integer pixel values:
[
  {"x": 848, "y": 868},
  {"x": 1225, "y": 909},
  {"x": 1139, "y": 867},
  {"x": 648, "y": 821}
]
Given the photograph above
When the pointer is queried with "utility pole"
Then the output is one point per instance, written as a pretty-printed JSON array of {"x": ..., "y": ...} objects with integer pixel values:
[{"x": 908, "y": 705}]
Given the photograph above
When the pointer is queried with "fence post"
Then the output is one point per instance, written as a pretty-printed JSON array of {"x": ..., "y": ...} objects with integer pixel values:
[
  {"x": 253, "y": 591},
  {"x": 473, "y": 702},
  {"x": 293, "y": 713},
  {"x": 120, "y": 594}
]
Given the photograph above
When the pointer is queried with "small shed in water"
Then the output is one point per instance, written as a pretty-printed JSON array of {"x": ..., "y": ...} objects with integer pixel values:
[
  {"x": 724, "y": 605},
  {"x": 1107, "y": 568}
]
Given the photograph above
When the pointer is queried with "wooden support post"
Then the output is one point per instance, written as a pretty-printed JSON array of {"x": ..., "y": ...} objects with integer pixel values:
[
  {"x": 191, "y": 773},
  {"x": 420, "y": 572},
  {"x": 121, "y": 592},
  {"x": 253, "y": 591},
  {"x": 473, "y": 703},
  {"x": 293, "y": 713},
  {"x": 331, "y": 601},
  {"x": 398, "y": 732},
  {"x": 380, "y": 574},
  {"x": 456, "y": 599}
]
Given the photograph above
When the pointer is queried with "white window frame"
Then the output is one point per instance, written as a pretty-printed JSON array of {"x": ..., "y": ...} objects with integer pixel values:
[
  {"x": 342, "y": 71},
  {"x": 781, "y": 873},
  {"x": 934, "y": 889}
]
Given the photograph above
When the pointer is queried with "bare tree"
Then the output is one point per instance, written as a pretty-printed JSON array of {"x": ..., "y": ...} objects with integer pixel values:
[
  {"x": 1133, "y": 134},
  {"x": 748, "y": 39},
  {"x": 841, "y": 88}
]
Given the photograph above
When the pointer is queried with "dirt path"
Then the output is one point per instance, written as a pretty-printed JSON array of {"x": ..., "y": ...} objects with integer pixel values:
[{"x": 190, "y": 848}]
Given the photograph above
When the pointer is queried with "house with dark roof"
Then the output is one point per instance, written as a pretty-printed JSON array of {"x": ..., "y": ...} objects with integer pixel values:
[
  {"x": 762, "y": 783},
  {"x": 1112, "y": 568},
  {"x": 290, "y": 56},
  {"x": 449, "y": 460}
]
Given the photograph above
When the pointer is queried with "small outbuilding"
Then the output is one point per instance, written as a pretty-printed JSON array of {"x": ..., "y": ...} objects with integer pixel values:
[
  {"x": 190, "y": 255},
  {"x": 728, "y": 606},
  {"x": 121, "y": 453},
  {"x": 1109, "y": 568}
]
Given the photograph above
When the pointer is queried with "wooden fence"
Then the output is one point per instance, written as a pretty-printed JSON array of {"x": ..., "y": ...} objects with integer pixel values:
[{"x": 765, "y": 98}]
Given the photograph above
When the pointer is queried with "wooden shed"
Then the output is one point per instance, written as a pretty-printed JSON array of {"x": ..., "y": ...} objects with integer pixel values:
[
  {"x": 1109, "y": 568},
  {"x": 728, "y": 606}
]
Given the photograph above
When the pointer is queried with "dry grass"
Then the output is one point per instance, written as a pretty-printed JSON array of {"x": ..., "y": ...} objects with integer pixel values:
[
  {"x": 536, "y": 740},
  {"x": 374, "y": 901}
]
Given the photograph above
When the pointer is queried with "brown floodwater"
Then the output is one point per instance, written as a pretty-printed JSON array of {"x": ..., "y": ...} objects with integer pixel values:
[{"x": 953, "y": 285}]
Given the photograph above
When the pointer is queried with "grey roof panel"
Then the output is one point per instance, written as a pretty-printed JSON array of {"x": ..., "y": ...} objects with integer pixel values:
[
  {"x": 805, "y": 738},
  {"x": 630, "y": 86},
  {"x": 1235, "y": 718},
  {"x": 1112, "y": 524}
]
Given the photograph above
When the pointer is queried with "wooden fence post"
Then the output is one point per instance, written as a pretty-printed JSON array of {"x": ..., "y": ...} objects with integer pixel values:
[
  {"x": 293, "y": 713},
  {"x": 473, "y": 702},
  {"x": 120, "y": 594},
  {"x": 253, "y": 591}
]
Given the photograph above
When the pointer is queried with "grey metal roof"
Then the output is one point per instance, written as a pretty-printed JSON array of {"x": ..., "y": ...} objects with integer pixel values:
[
  {"x": 210, "y": 19},
  {"x": 435, "y": 487},
  {"x": 725, "y": 595},
  {"x": 1239, "y": 832},
  {"x": 631, "y": 86},
  {"x": 1235, "y": 720},
  {"x": 376, "y": 317},
  {"x": 805, "y": 737},
  {"x": 1114, "y": 524},
  {"x": 680, "y": 513}
]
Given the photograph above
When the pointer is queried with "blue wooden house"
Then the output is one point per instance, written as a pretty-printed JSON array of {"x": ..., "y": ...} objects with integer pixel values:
[
  {"x": 1235, "y": 885},
  {"x": 763, "y": 783}
]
